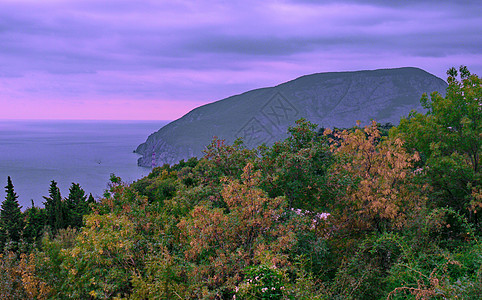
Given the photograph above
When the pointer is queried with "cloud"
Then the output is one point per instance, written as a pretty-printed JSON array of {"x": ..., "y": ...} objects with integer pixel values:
[{"x": 205, "y": 50}]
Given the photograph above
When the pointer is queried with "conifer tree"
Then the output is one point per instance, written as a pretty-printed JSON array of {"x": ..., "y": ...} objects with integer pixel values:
[
  {"x": 54, "y": 208},
  {"x": 34, "y": 223},
  {"x": 76, "y": 205},
  {"x": 11, "y": 219},
  {"x": 91, "y": 199}
]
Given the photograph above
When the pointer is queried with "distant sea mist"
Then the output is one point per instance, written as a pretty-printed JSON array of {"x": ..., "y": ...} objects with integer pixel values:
[{"x": 33, "y": 153}]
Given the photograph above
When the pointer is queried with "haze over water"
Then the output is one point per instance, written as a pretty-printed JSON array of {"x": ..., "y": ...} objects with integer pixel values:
[{"x": 33, "y": 153}]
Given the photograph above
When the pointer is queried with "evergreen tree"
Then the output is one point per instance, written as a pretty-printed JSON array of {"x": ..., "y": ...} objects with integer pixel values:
[
  {"x": 11, "y": 218},
  {"x": 91, "y": 199},
  {"x": 34, "y": 223},
  {"x": 76, "y": 205},
  {"x": 54, "y": 208}
]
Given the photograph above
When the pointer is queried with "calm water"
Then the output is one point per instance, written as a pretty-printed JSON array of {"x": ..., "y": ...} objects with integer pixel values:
[{"x": 33, "y": 153}]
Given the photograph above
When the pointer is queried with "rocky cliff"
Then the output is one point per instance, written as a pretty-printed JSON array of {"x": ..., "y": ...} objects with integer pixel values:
[{"x": 263, "y": 115}]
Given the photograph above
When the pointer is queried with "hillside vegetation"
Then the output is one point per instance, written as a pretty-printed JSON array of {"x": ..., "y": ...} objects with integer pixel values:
[{"x": 360, "y": 213}]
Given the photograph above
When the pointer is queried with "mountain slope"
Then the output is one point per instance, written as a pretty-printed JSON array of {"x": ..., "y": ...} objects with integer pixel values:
[{"x": 263, "y": 115}]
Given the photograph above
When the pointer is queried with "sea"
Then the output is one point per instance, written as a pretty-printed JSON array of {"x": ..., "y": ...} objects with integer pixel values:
[{"x": 35, "y": 152}]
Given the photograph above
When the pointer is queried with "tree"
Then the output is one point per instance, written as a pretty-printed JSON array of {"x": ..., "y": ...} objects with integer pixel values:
[
  {"x": 34, "y": 223},
  {"x": 297, "y": 167},
  {"x": 91, "y": 199},
  {"x": 449, "y": 140},
  {"x": 54, "y": 208},
  {"x": 372, "y": 177},
  {"x": 18, "y": 279},
  {"x": 104, "y": 256},
  {"x": 11, "y": 221},
  {"x": 76, "y": 205},
  {"x": 223, "y": 241}
]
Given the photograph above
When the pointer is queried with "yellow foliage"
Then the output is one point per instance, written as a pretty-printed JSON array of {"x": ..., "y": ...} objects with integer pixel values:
[
  {"x": 232, "y": 237},
  {"x": 104, "y": 256},
  {"x": 378, "y": 168},
  {"x": 23, "y": 281}
]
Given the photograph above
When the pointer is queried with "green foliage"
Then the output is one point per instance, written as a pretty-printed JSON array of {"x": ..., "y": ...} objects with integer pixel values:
[
  {"x": 90, "y": 200},
  {"x": 11, "y": 221},
  {"x": 54, "y": 208},
  {"x": 297, "y": 168},
  {"x": 160, "y": 187},
  {"x": 76, "y": 206},
  {"x": 262, "y": 282},
  {"x": 434, "y": 274},
  {"x": 449, "y": 141},
  {"x": 164, "y": 277},
  {"x": 314, "y": 249},
  {"x": 49, "y": 265},
  {"x": 34, "y": 223},
  {"x": 350, "y": 214},
  {"x": 102, "y": 259}
]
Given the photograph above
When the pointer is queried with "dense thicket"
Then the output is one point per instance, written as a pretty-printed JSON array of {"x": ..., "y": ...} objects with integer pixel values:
[
  {"x": 344, "y": 214},
  {"x": 23, "y": 231}
]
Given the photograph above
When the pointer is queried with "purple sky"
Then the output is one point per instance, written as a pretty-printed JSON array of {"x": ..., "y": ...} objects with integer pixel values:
[{"x": 124, "y": 59}]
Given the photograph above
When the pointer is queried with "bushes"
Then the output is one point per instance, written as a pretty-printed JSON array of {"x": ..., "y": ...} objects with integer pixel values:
[
  {"x": 400, "y": 220},
  {"x": 262, "y": 282}
]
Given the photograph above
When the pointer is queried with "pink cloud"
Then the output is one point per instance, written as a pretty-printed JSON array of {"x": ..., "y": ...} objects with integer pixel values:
[
  {"x": 115, "y": 109},
  {"x": 112, "y": 59}
]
